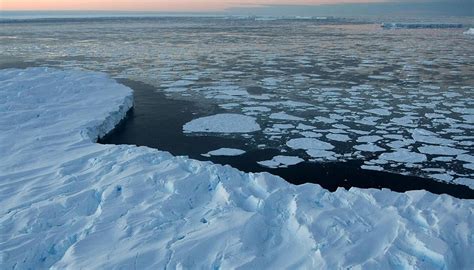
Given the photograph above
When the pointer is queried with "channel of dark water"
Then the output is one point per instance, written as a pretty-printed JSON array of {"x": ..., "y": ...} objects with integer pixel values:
[{"x": 156, "y": 121}]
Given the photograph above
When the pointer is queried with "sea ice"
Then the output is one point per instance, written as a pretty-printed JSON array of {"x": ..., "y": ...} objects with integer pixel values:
[
  {"x": 470, "y": 31},
  {"x": 440, "y": 150},
  {"x": 281, "y": 162},
  {"x": 225, "y": 152},
  {"x": 369, "y": 147},
  {"x": 369, "y": 139},
  {"x": 223, "y": 123},
  {"x": 404, "y": 156},
  {"x": 285, "y": 116},
  {"x": 309, "y": 143},
  {"x": 338, "y": 137},
  {"x": 382, "y": 112}
]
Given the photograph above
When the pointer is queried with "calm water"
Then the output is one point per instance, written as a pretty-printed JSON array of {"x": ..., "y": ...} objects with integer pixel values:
[{"x": 366, "y": 91}]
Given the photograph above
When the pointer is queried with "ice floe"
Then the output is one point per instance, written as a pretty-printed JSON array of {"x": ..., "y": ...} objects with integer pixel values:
[
  {"x": 225, "y": 152},
  {"x": 470, "y": 31},
  {"x": 223, "y": 123},
  {"x": 281, "y": 162},
  {"x": 309, "y": 143},
  {"x": 404, "y": 156},
  {"x": 440, "y": 150},
  {"x": 369, "y": 147}
]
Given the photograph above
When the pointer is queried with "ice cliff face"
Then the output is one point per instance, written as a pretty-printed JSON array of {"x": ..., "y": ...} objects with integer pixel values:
[{"x": 68, "y": 202}]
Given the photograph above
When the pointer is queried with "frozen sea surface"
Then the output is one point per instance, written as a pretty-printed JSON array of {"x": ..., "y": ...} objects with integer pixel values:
[
  {"x": 332, "y": 82},
  {"x": 70, "y": 203}
]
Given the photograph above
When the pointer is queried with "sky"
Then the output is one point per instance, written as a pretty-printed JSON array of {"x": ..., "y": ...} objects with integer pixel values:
[
  {"x": 158, "y": 5},
  {"x": 256, "y": 7}
]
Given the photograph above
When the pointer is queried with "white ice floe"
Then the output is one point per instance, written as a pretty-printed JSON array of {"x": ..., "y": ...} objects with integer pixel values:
[
  {"x": 223, "y": 123},
  {"x": 316, "y": 153},
  {"x": 369, "y": 147},
  {"x": 369, "y": 139},
  {"x": 225, "y": 152},
  {"x": 69, "y": 203},
  {"x": 421, "y": 25},
  {"x": 442, "y": 177},
  {"x": 281, "y": 162},
  {"x": 309, "y": 143},
  {"x": 372, "y": 167},
  {"x": 338, "y": 137},
  {"x": 378, "y": 111},
  {"x": 285, "y": 116},
  {"x": 404, "y": 156},
  {"x": 440, "y": 150},
  {"x": 470, "y": 31},
  {"x": 425, "y": 136}
]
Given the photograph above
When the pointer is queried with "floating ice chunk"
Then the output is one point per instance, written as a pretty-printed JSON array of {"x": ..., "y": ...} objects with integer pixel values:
[
  {"x": 469, "y": 166},
  {"x": 465, "y": 181},
  {"x": 283, "y": 126},
  {"x": 466, "y": 158},
  {"x": 369, "y": 121},
  {"x": 405, "y": 121},
  {"x": 369, "y": 139},
  {"x": 281, "y": 162},
  {"x": 338, "y": 137},
  {"x": 372, "y": 167},
  {"x": 382, "y": 112},
  {"x": 400, "y": 144},
  {"x": 470, "y": 31},
  {"x": 304, "y": 127},
  {"x": 404, "y": 156},
  {"x": 222, "y": 123},
  {"x": 310, "y": 134},
  {"x": 325, "y": 120},
  {"x": 440, "y": 150},
  {"x": 442, "y": 176},
  {"x": 257, "y": 109},
  {"x": 272, "y": 82},
  {"x": 420, "y": 25},
  {"x": 225, "y": 152},
  {"x": 369, "y": 147},
  {"x": 425, "y": 136},
  {"x": 285, "y": 116},
  {"x": 309, "y": 143},
  {"x": 320, "y": 153}
]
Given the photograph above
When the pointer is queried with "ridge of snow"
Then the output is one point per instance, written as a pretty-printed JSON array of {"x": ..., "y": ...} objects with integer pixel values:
[{"x": 69, "y": 203}]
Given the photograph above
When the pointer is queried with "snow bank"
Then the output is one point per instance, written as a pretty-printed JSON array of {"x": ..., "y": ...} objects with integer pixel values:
[{"x": 69, "y": 203}]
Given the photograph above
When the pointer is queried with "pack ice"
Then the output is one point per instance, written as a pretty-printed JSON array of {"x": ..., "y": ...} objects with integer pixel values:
[{"x": 70, "y": 203}]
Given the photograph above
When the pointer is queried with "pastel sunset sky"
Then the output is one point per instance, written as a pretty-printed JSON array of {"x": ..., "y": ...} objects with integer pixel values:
[{"x": 157, "y": 5}]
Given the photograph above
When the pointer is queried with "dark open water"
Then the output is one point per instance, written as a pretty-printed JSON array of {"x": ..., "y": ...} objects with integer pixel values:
[{"x": 156, "y": 122}]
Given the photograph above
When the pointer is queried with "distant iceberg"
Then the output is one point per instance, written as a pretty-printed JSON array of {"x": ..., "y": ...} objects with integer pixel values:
[
  {"x": 420, "y": 25},
  {"x": 470, "y": 31}
]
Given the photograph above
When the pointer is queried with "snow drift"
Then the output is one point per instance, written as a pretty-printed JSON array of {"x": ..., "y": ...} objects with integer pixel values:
[{"x": 68, "y": 202}]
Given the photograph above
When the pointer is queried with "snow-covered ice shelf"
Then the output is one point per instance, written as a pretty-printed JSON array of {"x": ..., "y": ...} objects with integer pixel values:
[{"x": 69, "y": 203}]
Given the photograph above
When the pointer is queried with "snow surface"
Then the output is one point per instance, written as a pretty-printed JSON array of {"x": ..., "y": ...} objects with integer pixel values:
[
  {"x": 222, "y": 123},
  {"x": 69, "y": 203}
]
